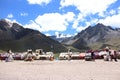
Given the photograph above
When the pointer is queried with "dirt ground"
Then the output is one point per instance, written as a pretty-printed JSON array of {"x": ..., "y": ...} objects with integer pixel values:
[{"x": 60, "y": 70}]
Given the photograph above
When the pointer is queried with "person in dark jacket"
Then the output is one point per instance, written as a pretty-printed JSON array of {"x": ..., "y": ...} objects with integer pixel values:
[
  {"x": 93, "y": 55},
  {"x": 115, "y": 56}
]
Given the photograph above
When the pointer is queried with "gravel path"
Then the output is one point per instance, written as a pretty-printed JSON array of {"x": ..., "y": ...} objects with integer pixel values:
[{"x": 60, "y": 70}]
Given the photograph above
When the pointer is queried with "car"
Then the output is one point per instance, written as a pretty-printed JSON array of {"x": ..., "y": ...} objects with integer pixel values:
[
  {"x": 88, "y": 57},
  {"x": 17, "y": 56},
  {"x": 3, "y": 56},
  {"x": 82, "y": 55},
  {"x": 75, "y": 55}
]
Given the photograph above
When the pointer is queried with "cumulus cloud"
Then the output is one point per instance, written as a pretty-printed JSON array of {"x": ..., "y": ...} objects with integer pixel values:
[
  {"x": 13, "y": 21},
  {"x": 47, "y": 34},
  {"x": 112, "y": 12},
  {"x": 77, "y": 24},
  {"x": 33, "y": 25},
  {"x": 119, "y": 10},
  {"x": 58, "y": 22},
  {"x": 10, "y": 16},
  {"x": 111, "y": 21},
  {"x": 51, "y": 22},
  {"x": 101, "y": 14},
  {"x": 79, "y": 18},
  {"x": 80, "y": 28},
  {"x": 39, "y": 2},
  {"x": 61, "y": 35},
  {"x": 88, "y": 6}
]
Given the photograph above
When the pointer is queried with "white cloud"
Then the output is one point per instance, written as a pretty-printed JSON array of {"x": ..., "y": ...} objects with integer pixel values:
[
  {"x": 54, "y": 21},
  {"x": 39, "y": 2},
  {"x": 80, "y": 28},
  {"x": 101, "y": 14},
  {"x": 118, "y": 10},
  {"x": 47, "y": 34},
  {"x": 51, "y": 22},
  {"x": 57, "y": 34},
  {"x": 88, "y": 6},
  {"x": 10, "y": 16},
  {"x": 12, "y": 21},
  {"x": 65, "y": 35},
  {"x": 111, "y": 21},
  {"x": 92, "y": 22},
  {"x": 32, "y": 25},
  {"x": 61, "y": 35},
  {"x": 75, "y": 24},
  {"x": 80, "y": 18},
  {"x": 24, "y": 14},
  {"x": 119, "y": 7},
  {"x": 112, "y": 12}
]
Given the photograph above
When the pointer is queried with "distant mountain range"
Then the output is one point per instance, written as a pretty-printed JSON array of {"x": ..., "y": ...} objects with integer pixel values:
[
  {"x": 13, "y": 36},
  {"x": 61, "y": 39},
  {"x": 96, "y": 37},
  {"x": 16, "y": 37}
]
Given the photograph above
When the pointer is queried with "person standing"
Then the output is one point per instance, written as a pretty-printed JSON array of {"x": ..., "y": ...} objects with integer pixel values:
[
  {"x": 115, "y": 56},
  {"x": 93, "y": 55},
  {"x": 69, "y": 54},
  {"x": 108, "y": 54},
  {"x": 9, "y": 57}
]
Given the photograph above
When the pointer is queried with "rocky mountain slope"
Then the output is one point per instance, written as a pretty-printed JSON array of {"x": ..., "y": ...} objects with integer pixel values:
[
  {"x": 96, "y": 37},
  {"x": 14, "y": 36}
]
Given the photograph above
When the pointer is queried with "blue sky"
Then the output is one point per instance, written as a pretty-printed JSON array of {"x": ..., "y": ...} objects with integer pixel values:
[{"x": 61, "y": 16}]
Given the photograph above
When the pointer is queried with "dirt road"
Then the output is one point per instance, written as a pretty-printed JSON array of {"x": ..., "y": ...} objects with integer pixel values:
[{"x": 60, "y": 70}]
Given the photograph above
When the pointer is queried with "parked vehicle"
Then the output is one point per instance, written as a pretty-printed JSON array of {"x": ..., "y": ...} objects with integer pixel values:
[
  {"x": 82, "y": 55},
  {"x": 75, "y": 55},
  {"x": 17, "y": 56},
  {"x": 3, "y": 56},
  {"x": 88, "y": 57}
]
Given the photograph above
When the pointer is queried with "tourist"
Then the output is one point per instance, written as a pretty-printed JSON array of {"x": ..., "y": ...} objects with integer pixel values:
[
  {"x": 9, "y": 56},
  {"x": 69, "y": 54},
  {"x": 93, "y": 55},
  {"x": 115, "y": 56}
]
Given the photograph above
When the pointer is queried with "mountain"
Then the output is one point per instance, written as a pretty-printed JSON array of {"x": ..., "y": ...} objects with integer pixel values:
[
  {"x": 65, "y": 41},
  {"x": 60, "y": 39},
  {"x": 96, "y": 37},
  {"x": 17, "y": 38}
]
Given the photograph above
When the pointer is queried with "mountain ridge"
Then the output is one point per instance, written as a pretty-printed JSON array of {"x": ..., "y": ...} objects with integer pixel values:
[
  {"x": 17, "y": 38},
  {"x": 96, "y": 37}
]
